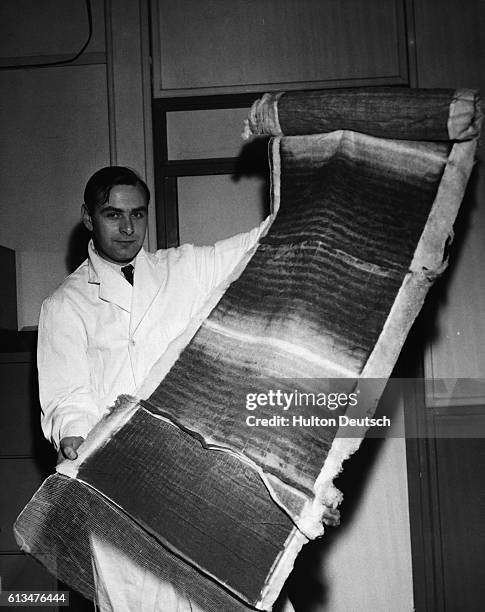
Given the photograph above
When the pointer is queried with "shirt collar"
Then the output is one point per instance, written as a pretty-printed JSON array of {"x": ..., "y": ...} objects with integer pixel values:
[
  {"x": 117, "y": 267},
  {"x": 99, "y": 267}
]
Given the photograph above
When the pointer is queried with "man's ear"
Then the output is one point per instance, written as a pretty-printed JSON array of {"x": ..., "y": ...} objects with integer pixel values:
[{"x": 86, "y": 218}]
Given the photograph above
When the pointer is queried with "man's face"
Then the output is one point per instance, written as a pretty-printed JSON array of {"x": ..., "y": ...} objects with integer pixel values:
[{"x": 119, "y": 225}]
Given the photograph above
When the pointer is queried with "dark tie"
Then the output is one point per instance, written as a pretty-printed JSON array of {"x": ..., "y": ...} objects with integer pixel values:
[{"x": 128, "y": 273}]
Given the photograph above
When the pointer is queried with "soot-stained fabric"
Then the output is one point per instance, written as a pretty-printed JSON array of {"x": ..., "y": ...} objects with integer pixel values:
[
  {"x": 180, "y": 480},
  {"x": 65, "y": 514},
  {"x": 320, "y": 286},
  {"x": 206, "y": 506},
  {"x": 394, "y": 113}
]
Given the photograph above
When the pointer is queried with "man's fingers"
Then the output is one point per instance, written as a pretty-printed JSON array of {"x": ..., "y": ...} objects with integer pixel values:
[
  {"x": 66, "y": 453},
  {"x": 69, "y": 446},
  {"x": 70, "y": 453}
]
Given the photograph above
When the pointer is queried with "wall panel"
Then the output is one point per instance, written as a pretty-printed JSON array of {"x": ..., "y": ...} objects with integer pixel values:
[
  {"x": 450, "y": 52},
  {"x": 54, "y": 125},
  {"x": 446, "y": 480},
  {"x": 203, "y": 134},
  {"x": 247, "y": 45},
  {"x": 216, "y": 207},
  {"x": 58, "y": 31}
]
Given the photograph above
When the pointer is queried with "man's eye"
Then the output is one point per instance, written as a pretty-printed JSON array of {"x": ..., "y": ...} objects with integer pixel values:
[
  {"x": 112, "y": 215},
  {"x": 139, "y": 214}
]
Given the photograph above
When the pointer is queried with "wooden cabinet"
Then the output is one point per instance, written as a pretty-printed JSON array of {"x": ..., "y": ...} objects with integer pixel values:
[
  {"x": 232, "y": 46},
  {"x": 26, "y": 459},
  {"x": 8, "y": 289}
]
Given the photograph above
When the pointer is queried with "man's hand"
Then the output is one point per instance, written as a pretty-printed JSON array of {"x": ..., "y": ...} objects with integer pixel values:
[{"x": 68, "y": 448}]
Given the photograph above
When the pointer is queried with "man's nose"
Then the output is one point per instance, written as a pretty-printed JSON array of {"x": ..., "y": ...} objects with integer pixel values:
[{"x": 126, "y": 226}]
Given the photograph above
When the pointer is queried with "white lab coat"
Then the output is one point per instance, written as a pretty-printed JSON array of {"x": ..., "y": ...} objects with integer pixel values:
[{"x": 99, "y": 337}]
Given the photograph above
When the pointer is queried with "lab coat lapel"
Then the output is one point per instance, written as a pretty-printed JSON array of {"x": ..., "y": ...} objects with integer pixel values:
[
  {"x": 147, "y": 284},
  {"x": 113, "y": 287}
]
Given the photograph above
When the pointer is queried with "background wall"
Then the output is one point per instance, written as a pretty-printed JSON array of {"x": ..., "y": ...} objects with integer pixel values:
[
  {"x": 449, "y": 538},
  {"x": 59, "y": 124},
  {"x": 55, "y": 133}
]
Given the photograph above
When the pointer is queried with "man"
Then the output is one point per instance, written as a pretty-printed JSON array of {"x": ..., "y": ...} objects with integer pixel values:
[
  {"x": 102, "y": 330},
  {"x": 98, "y": 334}
]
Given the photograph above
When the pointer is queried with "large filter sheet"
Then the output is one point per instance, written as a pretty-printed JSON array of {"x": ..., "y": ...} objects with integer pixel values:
[{"x": 324, "y": 304}]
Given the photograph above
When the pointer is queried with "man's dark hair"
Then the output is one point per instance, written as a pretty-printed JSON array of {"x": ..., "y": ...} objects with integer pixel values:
[{"x": 100, "y": 184}]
